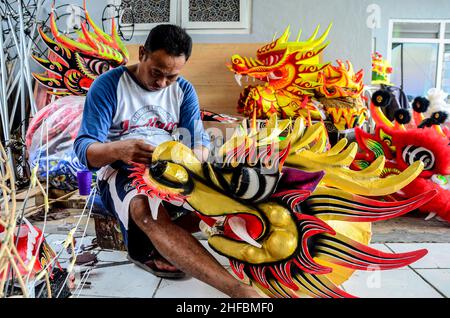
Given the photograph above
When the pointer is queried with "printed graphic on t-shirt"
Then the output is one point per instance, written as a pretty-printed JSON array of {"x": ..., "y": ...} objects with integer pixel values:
[{"x": 150, "y": 117}]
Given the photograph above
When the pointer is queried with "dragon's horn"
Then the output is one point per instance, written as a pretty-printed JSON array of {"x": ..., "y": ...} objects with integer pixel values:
[
  {"x": 286, "y": 34},
  {"x": 299, "y": 35},
  {"x": 66, "y": 41},
  {"x": 103, "y": 37},
  {"x": 322, "y": 37},
  {"x": 119, "y": 42},
  {"x": 350, "y": 68},
  {"x": 274, "y": 36},
  {"x": 89, "y": 39},
  {"x": 313, "y": 36},
  {"x": 379, "y": 116}
]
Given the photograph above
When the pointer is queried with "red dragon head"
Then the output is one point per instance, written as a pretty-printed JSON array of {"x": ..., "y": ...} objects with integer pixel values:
[{"x": 404, "y": 143}]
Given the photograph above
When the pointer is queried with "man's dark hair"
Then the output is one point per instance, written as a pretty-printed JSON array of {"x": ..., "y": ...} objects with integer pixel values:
[{"x": 171, "y": 38}]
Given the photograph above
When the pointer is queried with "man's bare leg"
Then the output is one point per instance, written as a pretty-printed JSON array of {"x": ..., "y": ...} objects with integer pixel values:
[{"x": 182, "y": 250}]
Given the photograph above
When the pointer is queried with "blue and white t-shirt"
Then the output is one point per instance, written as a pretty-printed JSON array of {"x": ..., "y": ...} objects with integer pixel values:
[{"x": 118, "y": 108}]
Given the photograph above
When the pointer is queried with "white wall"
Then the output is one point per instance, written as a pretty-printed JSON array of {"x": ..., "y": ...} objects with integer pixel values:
[
  {"x": 350, "y": 36},
  {"x": 407, "y": 9}
]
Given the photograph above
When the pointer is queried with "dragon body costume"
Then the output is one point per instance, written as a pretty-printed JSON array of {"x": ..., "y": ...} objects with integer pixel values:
[
  {"x": 298, "y": 84},
  {"x": 285, "y": 229},
  {"x": 403, "y": 143}
]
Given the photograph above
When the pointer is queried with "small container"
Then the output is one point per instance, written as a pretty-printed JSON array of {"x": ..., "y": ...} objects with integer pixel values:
[{"x": 84, "y": 179}]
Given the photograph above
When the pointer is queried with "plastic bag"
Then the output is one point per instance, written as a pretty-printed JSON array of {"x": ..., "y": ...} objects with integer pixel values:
[{"x": 55, "y": 127}]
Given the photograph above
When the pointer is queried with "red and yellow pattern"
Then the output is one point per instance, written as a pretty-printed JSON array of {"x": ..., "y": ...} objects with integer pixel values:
[
  {"x": 290, "y": 71},
  {"x": 73, "y": 65},
  {"x": 297, "y": 84}
]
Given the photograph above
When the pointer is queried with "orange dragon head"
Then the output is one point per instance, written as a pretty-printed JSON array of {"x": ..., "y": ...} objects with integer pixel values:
[{"x": 292, "y": 66}]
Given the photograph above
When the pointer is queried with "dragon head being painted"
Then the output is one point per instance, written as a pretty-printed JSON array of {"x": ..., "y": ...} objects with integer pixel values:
[
  {"x": 73, "y": 65},
  {"x": 289, "y": 231},
  {"x": 405, "y": 144}
]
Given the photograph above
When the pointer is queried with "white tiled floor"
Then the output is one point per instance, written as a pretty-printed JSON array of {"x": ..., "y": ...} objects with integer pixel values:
[
  {"x": 381, "y": 247},
  {"x": 187, "y": 288},
  {"x": 429, "y": 278},
  {"x": 439, "y": 278},
  {"x": 398, "y": 283},
  {"x": 126, "y": 281},
  {"x": 112, "y": 256},
  {"x": 438, "y": 254},
  {"x": 401, "y": 283}
]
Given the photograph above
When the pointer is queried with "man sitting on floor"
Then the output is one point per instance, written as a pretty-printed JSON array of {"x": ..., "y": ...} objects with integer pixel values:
[{"x": 128, "y": 112}]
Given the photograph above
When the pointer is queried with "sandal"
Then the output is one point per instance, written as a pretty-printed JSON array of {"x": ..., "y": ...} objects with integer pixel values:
[{"x": 151, "y": 267}]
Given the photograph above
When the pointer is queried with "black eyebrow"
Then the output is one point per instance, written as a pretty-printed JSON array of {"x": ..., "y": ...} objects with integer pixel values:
[{"x": 161, "y": 72}]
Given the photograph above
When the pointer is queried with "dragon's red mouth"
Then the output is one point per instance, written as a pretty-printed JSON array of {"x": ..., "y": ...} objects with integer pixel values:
[
  {"x": 272, "y": 58},
  {"x": 241, "y": 227}
]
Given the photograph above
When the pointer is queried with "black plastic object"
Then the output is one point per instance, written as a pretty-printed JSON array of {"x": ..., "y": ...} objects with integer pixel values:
[
  {"x": 402, "y": 116},
  {"x": 420, "y": 104}
]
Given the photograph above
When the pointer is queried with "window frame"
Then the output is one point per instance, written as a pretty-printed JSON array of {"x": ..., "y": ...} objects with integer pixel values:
[
  {"x": 243, "y": 26},
  {"x": 179, "y": 16},
  {"x": 441, "y": 41},
  {"x": 144, "y": 28}
]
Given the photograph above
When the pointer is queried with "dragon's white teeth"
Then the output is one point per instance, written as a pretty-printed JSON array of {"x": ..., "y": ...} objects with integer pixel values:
[
  {"x": 237, "y": 225},
  {"x": 219, "y": 219},
  {"x": 154, "y": 206},
  {"x": 206, "y": 229},
  {"x": 176, "y": 203},
  {"x": 273, "y": 77},
  {"x": 430, "y": 216},
  {"x": 187, "y": 206},
  {"x": 271, "y": 60},
  {"x": 238, "y": 78}
]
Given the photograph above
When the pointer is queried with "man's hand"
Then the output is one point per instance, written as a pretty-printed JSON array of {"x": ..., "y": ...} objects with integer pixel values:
[
  {"x": 134, "y": 150},
  {"x": 128, "y": 151}
]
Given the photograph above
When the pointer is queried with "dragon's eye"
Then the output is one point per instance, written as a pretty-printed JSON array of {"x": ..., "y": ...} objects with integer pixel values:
[
  {"x": 98, "y": 67},
  {"x": 387, "y": 141},
  {"x": 413, "y": 153}
]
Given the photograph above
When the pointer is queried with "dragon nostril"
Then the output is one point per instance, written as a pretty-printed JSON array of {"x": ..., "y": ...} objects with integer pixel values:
[
  {"x": 171, "y": 175},
  {"x": 158, "y": 168}
]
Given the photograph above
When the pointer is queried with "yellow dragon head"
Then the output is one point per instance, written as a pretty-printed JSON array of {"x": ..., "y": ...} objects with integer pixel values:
[{"x": 291, "y": 232}]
